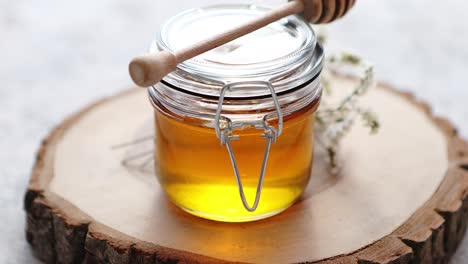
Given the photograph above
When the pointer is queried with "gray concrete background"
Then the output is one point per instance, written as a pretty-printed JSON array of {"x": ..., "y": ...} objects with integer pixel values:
[{"x": 57, "y": 56}]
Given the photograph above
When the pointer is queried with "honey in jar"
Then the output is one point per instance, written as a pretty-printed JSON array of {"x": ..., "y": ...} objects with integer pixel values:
[{"x": 234, "y": 126}]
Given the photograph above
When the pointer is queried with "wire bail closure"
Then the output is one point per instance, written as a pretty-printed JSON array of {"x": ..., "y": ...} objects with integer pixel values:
[{"x": 225, "y": 135}]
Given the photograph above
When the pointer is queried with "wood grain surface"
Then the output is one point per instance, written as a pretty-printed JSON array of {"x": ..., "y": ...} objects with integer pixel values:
[{"x": 412, "y": 204}]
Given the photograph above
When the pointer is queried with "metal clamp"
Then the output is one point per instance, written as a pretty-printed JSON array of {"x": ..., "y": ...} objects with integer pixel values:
[{"x": 224, "y": 134}]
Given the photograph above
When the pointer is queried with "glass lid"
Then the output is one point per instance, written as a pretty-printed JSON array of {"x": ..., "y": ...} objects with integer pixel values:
[{"x": 282, "y": 50}]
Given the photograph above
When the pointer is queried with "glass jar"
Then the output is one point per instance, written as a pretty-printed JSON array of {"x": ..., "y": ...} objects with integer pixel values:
[{"x": 234, "y": 126}]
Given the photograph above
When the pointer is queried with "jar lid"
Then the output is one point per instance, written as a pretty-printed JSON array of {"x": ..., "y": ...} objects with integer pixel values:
[{"x": 284, "y": 53}]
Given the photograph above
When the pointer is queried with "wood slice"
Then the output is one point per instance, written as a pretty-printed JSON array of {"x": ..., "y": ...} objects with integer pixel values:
[{"x": 400, "y": 196}]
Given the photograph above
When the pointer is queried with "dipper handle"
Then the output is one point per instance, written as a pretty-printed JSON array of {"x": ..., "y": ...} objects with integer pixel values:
[{"x": 147, "y": 70}]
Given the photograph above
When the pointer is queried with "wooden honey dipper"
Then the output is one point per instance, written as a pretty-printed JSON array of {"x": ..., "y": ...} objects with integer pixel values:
[{"x": 147, "y": 70}]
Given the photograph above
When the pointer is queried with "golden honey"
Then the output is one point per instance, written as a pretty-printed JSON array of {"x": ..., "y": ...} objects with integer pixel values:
[
  {"x": 263, "y": 88},
  {"x": 196, "y": 173}
]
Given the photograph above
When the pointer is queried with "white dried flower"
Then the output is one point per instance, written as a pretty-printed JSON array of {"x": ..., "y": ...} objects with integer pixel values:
[{"x": 334, "y": 120}]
